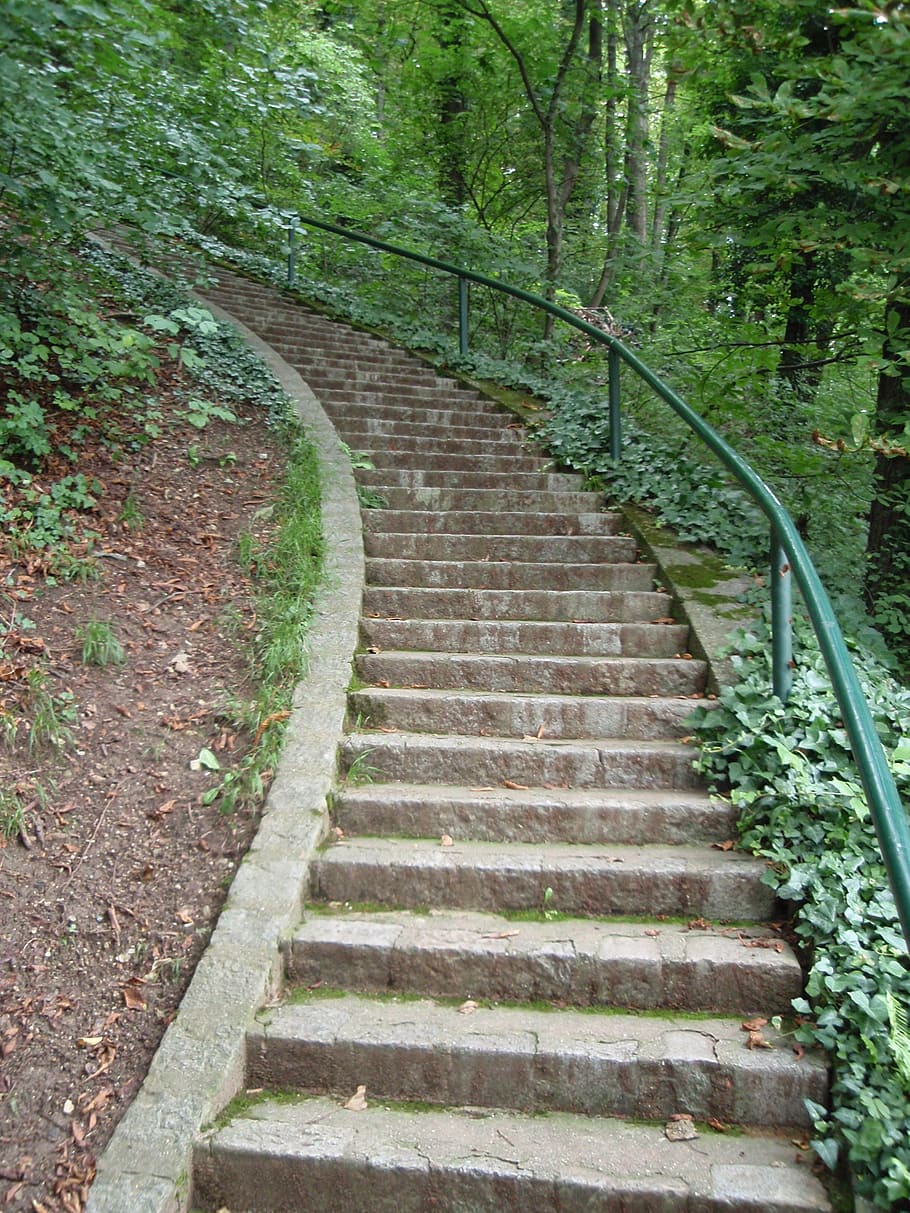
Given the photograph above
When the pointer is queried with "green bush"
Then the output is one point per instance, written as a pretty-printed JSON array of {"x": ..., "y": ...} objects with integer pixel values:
[{"x": 790, "y": 773}]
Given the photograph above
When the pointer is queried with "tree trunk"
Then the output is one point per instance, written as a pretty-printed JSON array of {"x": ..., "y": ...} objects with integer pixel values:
[
  {"x": 888, "y": 541},
  {"x": 616, "y": 190},
  {"x": 450, "y": 34},
  {"x": 803, "y": 373},
  {"x": 639, "y": 45}
]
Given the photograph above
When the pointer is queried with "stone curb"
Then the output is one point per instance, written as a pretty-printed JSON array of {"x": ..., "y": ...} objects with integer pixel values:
[
  {"x": 705, "y": 590},
  {"x": 198, "y": 1067}
]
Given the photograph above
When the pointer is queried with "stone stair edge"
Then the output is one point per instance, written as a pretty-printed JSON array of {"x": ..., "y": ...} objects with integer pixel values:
[{"x": 483, "y": 1160}]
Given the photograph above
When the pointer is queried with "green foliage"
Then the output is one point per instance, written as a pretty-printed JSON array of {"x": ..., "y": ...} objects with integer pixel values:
[{"x": 790, "y": 772}]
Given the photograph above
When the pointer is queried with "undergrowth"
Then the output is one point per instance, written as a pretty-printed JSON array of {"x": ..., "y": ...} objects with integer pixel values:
[
  {"x": 287, "y": 570},
  {"x": 790, "y": 773}
]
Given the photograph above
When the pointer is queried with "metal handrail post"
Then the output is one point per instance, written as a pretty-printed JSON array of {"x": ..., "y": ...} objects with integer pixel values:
[
  {"x": 781, "y": 620},
  {"x": 292, "y": 252},
  {"x": 462, "y": 314},
  {"x": 614, "y": 366}
]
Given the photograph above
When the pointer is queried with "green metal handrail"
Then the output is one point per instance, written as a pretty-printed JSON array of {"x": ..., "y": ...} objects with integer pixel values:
[{"x": 789, "y": 559}]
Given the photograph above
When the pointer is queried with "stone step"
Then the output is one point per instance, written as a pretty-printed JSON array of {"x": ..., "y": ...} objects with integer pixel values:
[
  {"x": 528, "y": 1060},
  {"x": 493, "y": 575},
  {"x": 366, "y": 376},
  {"x": 370, "y": 360},
  {"x": 526, "y": 549},
  {"x": 500, "y": 482},
  {"x": 314, "y": 1155},
  {"x": 464, "y": 498},
  {"x": 503, "y": 636},
  {"x": 517, "y": 715},
  {"x": 620, "y": 817},
  {"x": 596, "y": 763},
  {"x": 591, "y": 881},
  {"x": 329, "y": 339},
  {"x": 396, "y": 457},
  {"x": 565, "y": 675},
  {"x": 496, "y": 436},
  {"x": 482, "y": 522},
  {"x": 576, "y": 962},
  {"x": 352, "y": 415},
  {"x": 568, "y": 606},
  {"x": 433, "y": 396}
]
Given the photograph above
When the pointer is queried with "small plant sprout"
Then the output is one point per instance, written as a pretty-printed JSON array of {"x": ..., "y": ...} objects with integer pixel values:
[
  {"x": 99, "y": 644},
  {"x": 130, "y": 514},
  {"x": 359, "y": 770},
  {"x": 12, "y": 814}
]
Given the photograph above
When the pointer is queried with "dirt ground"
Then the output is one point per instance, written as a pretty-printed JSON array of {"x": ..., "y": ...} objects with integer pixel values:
[{"x": 113, "y": 876}]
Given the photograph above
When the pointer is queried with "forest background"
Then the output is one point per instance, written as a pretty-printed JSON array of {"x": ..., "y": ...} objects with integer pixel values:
[
  {"x": 730, "y": 180},
  {"x": 724, "y": 185}
]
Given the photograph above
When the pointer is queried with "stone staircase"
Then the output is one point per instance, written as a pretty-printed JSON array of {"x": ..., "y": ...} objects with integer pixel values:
[{"x": 523, "y": 975}]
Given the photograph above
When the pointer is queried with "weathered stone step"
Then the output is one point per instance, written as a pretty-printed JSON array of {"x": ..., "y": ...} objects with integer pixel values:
[
  {"x": 314, "y": 1155},
  {"x": 526, "y": 549},
  {"x": 350, "y": 415},
  {"x": 596, "y": 763},
  {"x": 577, "y": 962},
  {"x": 580, "y": 606},
  {"x": 592, "y": 881},
  {"x": 637, "y": 1066},
  {"x": 495, "y": 436},
  {"x": 564, "y": 675},
  {"x": 502, "y": 482},
  {"x": 370, "y": 359},
  {"x": 311, "y": 346},
  {"x": 482, "y": 522},
  {"x": 432, "y": 396},
  {"x": 517, "y": 715},
  {"x": 438, "y": 499},
  {"x": 396, "y": 456},
  {"x": 621, "y": 817},
  {"x": 367, "y": 376},
  {"x": 502, "y": 636},
  {"x": 493, "y": 575}
]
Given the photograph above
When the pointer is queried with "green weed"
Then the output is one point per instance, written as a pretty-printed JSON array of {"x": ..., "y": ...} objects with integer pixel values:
[
  {"x": 130, "y": 514},
  {"x": 49, "y": 714},
  {"x": 99, "y": 644},
  {"x": 12, "y": 813}
]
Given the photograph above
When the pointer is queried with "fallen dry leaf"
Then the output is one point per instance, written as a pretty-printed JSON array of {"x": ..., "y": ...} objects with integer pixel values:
[
  {"x": 500, "y": 935},
  {"x": 727, "y": 845},
  {"x": 468, "y": 1008},
  {"x": 358, "y": 1101},
  {"x": 133, "y": 998},
  {"x": 516, "y": 787},
  {"x": 754, "y": 1025},
  {"x": 718, "y": 1125},
  {"x": 447, "y": 841}
]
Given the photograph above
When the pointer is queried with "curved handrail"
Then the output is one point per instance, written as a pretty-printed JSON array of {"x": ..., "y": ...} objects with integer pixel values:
[{"x": 789, "y": 555}]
